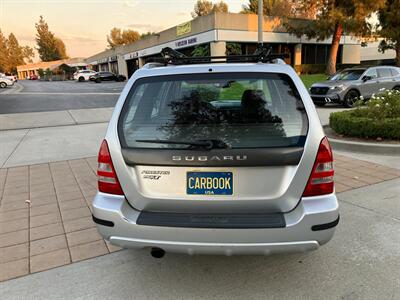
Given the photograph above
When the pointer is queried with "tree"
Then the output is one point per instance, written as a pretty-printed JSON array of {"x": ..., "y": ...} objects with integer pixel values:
[
  {"x": 28, "y": 54},
  {"x": 205, "y": 7},
  {"x": 201, "y": 50},
  {"x": 12, "y": 54},
  {"x": 49, "y": 46},
  {"x": 146, "y": 34},
  {"x": 221, "y": 7},
  {"x": 333, "y": 18},
  {"x": 4, "y": 54},
  {"x": 233, "y": 49},
  {"x": 16, "y": 55},
  {"x": 389, "y": 28},
  {"x": 278, "y": 8},
  {"x": 60, "y": 47},
  {"x": 120, "y": 37}
]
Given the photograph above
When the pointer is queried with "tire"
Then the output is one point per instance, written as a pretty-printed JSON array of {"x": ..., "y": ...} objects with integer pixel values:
[
  {"x": 3, "y": 85},
  {"x": 350, "y": 98},
  {"x": 396, "y": 88},
  {"x": 98, "y": 80},
  {"x": 320, "y": 104},
  {"x": 81, "y": 79}
]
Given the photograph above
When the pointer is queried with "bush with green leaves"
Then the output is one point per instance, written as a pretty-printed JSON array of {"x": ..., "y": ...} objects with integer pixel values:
[{"x": 378, "y": 117}]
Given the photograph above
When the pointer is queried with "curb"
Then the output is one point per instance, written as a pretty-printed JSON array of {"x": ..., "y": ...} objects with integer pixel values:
[{"x": 363, "y": 147}]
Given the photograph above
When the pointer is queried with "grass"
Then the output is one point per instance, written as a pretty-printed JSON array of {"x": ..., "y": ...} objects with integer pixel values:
[{"x": 308, "y": 80}]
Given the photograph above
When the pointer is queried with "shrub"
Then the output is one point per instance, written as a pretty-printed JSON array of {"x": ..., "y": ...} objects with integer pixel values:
[
  {"x": 381, "y": 106},
  {"x": 380, "y": 117}
]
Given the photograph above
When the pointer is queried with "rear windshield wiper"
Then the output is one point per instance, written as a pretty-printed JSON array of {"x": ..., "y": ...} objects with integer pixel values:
[{"x": 208, "y": 144}]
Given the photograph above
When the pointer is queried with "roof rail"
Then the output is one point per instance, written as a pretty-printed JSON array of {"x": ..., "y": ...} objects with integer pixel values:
[
  {"x": 262, "y": 54},
  {"x": 151, "y": 65}
]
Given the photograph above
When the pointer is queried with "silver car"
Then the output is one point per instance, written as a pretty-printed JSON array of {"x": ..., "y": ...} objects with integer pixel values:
[
  {"x": 226, "y": 158},
  {"x": 348, "y": 85}
]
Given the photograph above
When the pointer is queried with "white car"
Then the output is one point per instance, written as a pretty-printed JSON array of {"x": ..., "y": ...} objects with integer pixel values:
[
  {"x": 13, "y": 78},
  {"x": 83, "y": 75},
  {"x": 5, "y": 82}
]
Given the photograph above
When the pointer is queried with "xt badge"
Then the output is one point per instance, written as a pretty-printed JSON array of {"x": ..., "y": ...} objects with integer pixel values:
[{"x": 153, "y": 175}]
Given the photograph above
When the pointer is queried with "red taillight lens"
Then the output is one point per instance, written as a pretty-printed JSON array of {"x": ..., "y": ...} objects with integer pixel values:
[
  {"x": 106, "y": 176},
  {"x": 321, "y": 178}
]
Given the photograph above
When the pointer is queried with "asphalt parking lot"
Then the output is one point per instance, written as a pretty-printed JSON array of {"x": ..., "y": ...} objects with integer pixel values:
[{"x": 38, "y": 96}]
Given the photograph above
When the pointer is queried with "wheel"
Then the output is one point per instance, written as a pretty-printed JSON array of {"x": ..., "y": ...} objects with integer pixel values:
[
  {"x": 397, "y": 88},
  {"x": 3, "y": 85},
  {"x": 81, "y": 79},
  {"x": 320, "y": 104},
  {"x": 98, "y": 80},
  {"x": 350, "y": 98}
]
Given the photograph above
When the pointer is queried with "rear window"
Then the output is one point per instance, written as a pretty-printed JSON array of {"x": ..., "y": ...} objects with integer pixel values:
[{"x": 233, "y": 110}]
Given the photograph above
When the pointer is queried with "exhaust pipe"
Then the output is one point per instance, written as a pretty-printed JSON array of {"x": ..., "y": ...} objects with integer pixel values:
[{"x": 157, "y": 252}]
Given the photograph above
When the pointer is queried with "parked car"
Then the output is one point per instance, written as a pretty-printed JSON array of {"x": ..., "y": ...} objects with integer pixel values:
[
  {"x": 5, "y": 82},
  {"x": 348, "y": 85},
  {"x": 106, "y": 76},
  {"x": 13, "y": 78},
  {"x": 216, "y": 159},
  {"x": 83, "y": 75},
  {"x": 32, "y": 77}
]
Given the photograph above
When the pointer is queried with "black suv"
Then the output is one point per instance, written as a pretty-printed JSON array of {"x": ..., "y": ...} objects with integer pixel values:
[{"x": 106, "y": 76}]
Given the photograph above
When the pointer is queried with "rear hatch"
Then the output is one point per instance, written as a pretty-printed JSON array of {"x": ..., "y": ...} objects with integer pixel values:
[{"x": 221, "y": 142}]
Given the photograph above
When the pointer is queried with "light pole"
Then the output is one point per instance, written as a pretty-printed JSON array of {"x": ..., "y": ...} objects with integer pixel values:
[{"x": 260, "y": 22}]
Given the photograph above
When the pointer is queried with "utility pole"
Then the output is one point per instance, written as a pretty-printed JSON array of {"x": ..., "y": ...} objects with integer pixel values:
[{"x": 260, "y": 22}]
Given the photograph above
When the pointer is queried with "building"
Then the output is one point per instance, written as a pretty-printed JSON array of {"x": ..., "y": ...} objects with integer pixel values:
[
  {"x": 370, "y": 55},
  {"x": 27, "y": 70},
  {"x": 216, "y": 31}
]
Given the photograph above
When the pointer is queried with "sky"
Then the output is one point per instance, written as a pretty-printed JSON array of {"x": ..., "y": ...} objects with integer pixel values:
[{"x": 84, "y": 24}]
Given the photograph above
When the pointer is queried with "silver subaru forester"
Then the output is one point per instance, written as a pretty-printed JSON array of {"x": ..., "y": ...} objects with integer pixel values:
[{"x": 216, "y": 158}]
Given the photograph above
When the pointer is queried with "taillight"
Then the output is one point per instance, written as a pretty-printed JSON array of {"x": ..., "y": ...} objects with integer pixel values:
[
  {"x": 321, "y": 178},
  {"x": 106, "y": 176}
]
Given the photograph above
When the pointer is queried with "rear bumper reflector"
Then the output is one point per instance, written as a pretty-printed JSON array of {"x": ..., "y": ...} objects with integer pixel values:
[
  {"x": 188, "y": 220},
  {"x": 326, "y": 225},
  {"x": 102, "y": 222}
]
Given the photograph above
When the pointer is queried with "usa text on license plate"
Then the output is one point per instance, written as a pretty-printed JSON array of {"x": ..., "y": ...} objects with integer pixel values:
[{"x": 209, "y": 183}]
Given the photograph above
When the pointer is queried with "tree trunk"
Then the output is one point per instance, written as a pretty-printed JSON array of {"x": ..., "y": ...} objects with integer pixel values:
[
  {"x": 331, "y": 65},
  {"x": 398, "y": 54}
]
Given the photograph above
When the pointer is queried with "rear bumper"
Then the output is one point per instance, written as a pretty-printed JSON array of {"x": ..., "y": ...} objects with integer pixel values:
[{"x": 117, "y": 222}]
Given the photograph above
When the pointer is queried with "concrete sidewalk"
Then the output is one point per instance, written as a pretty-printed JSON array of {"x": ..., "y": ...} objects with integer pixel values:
[
  {"x": 54, "y": 118},
  {"x": 32, "y": 138}
]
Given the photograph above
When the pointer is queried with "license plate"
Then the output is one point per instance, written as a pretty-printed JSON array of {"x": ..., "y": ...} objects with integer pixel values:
[{"x": 209, "y": 183}]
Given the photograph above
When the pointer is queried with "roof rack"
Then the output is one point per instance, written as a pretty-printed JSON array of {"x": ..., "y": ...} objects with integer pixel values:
[{"x": 262, "y": 54}]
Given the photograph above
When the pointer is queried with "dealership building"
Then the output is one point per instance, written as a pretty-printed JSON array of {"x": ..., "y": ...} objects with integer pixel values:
[{"x": 216, "y": 31}]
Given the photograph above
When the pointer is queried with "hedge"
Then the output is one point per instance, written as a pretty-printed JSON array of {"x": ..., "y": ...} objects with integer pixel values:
[{"x": 346, "y": 123}]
